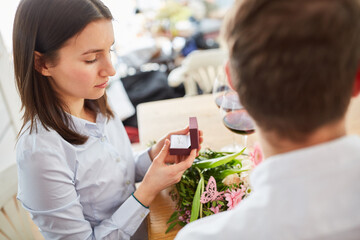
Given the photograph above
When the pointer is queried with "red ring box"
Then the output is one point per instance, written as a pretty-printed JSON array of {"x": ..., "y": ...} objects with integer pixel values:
[{"x": 183, "y": 144}]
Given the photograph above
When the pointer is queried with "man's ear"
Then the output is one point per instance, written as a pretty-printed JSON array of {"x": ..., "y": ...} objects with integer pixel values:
[
  {"x": 40, "y": 65},
  {"x": 356, "y": 89},
  {"x": 228, "y": 75}
]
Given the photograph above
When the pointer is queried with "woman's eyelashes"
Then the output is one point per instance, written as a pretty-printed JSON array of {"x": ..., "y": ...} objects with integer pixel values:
[
  {"x": 91, "y": 61},
  {"x": 97, "y": 56}
]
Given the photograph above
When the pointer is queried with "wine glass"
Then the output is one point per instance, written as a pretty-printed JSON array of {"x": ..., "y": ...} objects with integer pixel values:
[
  {"x": 220, "y": 87},
  {"x": 236, "y": 118}
]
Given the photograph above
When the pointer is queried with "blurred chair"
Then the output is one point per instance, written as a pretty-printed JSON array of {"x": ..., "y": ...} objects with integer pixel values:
[
  {"x": 15, "y": 222},
  {"x": 199, "y": 69}
]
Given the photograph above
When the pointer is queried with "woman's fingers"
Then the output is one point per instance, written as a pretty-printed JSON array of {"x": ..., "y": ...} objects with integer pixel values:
[
  {"x": 201, "y": 139},
  {"x": 186, "y": 163},
  {"x": 183, "y": 131},
  {"x": 164, "y": 152}
]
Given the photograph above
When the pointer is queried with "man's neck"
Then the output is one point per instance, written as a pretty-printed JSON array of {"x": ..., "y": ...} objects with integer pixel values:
[{"x": 273, "y": 144}]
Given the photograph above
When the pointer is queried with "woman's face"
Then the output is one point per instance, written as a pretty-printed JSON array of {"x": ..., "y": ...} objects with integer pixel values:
[{"x": 83, "y": 66}]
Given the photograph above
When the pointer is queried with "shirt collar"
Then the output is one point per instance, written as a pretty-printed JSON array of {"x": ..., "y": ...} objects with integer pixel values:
[{"x": 88, "y": 128}]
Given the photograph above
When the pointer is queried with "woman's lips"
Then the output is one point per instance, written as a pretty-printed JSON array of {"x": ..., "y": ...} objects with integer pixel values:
[{"x": 103, "y": 85}]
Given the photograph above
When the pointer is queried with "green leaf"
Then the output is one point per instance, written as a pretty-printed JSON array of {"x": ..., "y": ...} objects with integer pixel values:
[
  {"x": 215, "y": 162},
  {"x": 171, "y": 227},
  {"x": 196, "y": 202},
  {"x": 172, "y": 217},
  {"x": 224, "y": 173},
  {"x": 202, "y": 190},
  {"x": 182, "y": 187},
  {"x": 236, "y": 162},
  {"x": 182, "y": 194},
  {"x": 207, "y": 213}
]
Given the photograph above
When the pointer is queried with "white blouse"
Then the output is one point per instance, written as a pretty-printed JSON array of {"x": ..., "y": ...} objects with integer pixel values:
[{"x": 82, "y": 191}]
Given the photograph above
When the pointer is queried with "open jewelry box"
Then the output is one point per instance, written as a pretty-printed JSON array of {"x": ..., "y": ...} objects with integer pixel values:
[{"x": 183, "y": 144}]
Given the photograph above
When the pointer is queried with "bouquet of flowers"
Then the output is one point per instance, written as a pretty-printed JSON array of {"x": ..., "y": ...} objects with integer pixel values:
[{"x": 216, "y": 182}]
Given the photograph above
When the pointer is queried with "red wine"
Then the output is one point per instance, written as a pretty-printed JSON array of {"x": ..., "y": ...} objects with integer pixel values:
[
  {"x": 228, "y": 102},
  {"x": 239, "y": 122}
]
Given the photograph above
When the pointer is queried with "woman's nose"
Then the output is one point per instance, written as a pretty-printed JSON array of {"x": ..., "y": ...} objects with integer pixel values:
[{"x": 107, "y": 68}]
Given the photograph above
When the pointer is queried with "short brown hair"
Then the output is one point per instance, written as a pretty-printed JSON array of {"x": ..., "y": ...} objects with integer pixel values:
[
  {"x": 45, "y": 26},
  {"x": 294, "y": 62}
]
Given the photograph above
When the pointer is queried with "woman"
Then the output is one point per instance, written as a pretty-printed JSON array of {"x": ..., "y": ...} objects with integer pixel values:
[{"x": 75, "y": 164}]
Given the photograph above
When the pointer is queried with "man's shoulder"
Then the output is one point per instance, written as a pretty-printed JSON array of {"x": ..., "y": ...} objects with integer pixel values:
[{"x": 251, "y": 219}]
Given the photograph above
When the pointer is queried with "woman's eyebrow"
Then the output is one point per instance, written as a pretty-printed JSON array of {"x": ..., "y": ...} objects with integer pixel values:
[{"x": 95, "y": 50}]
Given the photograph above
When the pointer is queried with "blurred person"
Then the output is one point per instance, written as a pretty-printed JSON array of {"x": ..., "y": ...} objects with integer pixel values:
[
  {"x": 76, "y": 168},
  {"x": 295, "y": 65}
]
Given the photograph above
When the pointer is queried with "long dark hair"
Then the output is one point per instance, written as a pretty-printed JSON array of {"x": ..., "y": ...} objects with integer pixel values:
[{"x": 44, "y": 26}]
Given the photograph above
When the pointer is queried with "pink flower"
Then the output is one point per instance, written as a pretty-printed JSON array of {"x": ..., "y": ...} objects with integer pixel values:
[
  {"x": 257, "y": 155},
  {"x": 216, "y": 209},
  {"x": 234, "y": 197}
]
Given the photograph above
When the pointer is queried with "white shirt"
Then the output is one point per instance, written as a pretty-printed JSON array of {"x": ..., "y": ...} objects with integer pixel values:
[
  {"x": 312, "y": 193},
  {"x": 82, "y": 191}
]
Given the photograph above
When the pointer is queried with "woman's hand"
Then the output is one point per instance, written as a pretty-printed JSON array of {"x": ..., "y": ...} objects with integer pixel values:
[
  {"x": 160, "y": 175},
  {"x": 155, "y": 149}
]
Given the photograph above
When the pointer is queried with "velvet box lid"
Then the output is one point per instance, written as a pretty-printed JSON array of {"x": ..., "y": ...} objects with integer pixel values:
[{"x": 183, "y": 144}]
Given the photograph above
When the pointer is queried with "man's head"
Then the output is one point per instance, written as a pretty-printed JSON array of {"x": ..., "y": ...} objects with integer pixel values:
[{"x": 294, "y": 62}]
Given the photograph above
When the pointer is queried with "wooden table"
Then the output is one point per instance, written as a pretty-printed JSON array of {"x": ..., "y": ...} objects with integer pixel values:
[{"x": 155, "y": 119}]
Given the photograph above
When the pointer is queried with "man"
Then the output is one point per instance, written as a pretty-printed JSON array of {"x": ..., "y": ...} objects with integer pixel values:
[{"x": 295, "y": 65}]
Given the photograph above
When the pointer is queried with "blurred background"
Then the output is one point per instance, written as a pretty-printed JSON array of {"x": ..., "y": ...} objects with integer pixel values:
[{"x": 156, "y": 51}]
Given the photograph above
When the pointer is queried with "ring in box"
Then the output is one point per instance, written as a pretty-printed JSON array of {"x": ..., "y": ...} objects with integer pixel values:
[{"x": 183, "y": 144}]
